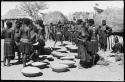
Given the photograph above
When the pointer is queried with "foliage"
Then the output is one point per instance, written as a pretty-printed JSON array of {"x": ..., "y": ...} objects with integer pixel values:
[{"x": 32, "y": 8}]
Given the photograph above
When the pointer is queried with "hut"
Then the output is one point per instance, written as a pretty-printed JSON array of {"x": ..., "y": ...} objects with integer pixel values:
[
  {"x": 54, "y": 17},
  {"x": 13, "y": 15}
]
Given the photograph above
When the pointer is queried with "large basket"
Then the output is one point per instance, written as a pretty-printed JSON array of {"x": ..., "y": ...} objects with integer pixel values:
[
  {"x": 67, "y": 62},
  {"x": 59, "y": 67},
  {"x": 31, "y": 71},
  {"x": 39, "y": 64}
]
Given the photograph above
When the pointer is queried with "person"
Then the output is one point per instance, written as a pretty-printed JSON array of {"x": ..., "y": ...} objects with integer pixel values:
[
  {"x": 59, "y": 35},
  {"x": 117, "y": 48},
  {"x": 65, "y": 31},
  {"x": 104, "y": 31},
  {"x": 17, "y": 36},
  {"x": 51, "y": 31},
  {"x": 83, "y": 55},
  {"x": 47, "y": 29},
  {"x": 72, "y": 32},
  {"x": 8, "y": 43},
  {"x": 92, "y": 44},
  {"x": 25, "y": 45},
  {"x": 41, "y": 36}
]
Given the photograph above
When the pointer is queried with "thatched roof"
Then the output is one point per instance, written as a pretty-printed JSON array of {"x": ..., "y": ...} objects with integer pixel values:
[
  {"x": 114, "y": 18},
  {"x": 15, "y": 14},
  {"x": 54, "y": 17}
]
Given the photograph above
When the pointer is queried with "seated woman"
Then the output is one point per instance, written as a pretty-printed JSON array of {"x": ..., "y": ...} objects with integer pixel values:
[{"x": 118, "y": 47}]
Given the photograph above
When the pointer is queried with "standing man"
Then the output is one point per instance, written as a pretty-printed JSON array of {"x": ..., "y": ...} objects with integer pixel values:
[{"x": 104, "y": 31}]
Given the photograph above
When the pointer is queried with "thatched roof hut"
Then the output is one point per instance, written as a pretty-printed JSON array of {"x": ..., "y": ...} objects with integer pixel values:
[
  {"x": 15, "y": 14},
  {"x": 54, "y": 17}
]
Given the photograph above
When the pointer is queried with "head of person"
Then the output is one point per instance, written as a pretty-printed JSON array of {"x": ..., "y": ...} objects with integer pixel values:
[
  {"x": 87, "y": 20},
  {"x": 116, "y": 39},
  {"x": 103, "y": 22},
  {"x": 18, "y": 23},
  {"x": 91, "y": 22},
  {"x": 79, "y": 21},
  {"x": 31, "y": 26},
  {"x": 9, "y": 24},
  {"x": 40, "y": 23},
  {"x": 27, "y": 22},
  {"x": 51, "y": 24},
  {"x": 84, "y": 24}
]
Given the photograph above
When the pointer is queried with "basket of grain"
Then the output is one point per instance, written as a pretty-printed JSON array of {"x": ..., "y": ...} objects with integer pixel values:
[
  {"x": 58, "y": 67},
  {"x": 31, "y": 71},
  {"x": 39, "y": 64},
  {"x": 58, "y": 54},
  {"x": 70, "y": 57},
  {"x": 67, "y": 62}
]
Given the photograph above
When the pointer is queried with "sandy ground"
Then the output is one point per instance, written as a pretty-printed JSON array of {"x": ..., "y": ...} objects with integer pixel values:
[{"x": 112, "y": 72}]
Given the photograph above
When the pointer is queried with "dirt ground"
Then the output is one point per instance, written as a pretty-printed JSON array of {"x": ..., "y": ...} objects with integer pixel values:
[{"x": 112, "y": 72}]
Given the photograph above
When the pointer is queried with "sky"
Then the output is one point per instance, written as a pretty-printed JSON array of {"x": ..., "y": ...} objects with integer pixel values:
[{"x": 66, "y": 7}]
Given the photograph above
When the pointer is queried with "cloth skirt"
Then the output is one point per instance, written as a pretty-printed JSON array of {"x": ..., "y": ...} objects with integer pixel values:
[
  {"x": 83, "y": 55},
  {"x": 59, "y": 37},
  {"x": 92, "y": 46},
  {"x": 9, "y": 48},
  {"x": 25, "y": 48}
]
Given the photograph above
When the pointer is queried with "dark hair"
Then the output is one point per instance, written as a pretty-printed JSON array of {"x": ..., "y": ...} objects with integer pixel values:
[
  {"x": 103, "y": 20},
  {"x": 9, "y": 24},
  {"x": 91, "y": 22},
  {"x": 86, "y": 20},
  {"x": 116, "y": 39},
  {"x": 40, "y": 22},
  {"x": 84, "y": 23},
  {"x": 27, "y": 21},
  {"x": 79, "y": 21},
  {"x": 19, "y": 23}
]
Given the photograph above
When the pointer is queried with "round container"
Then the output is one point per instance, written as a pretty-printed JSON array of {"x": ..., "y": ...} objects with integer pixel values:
[
  {"x": 58, "y": 54},
  {"x": 56, "y": 47},
  {"x": 62, "y": 49},
  {"x": 59, "y": 67},
  {"x": 67, "y": 62},
  {"x": 39, "y": 64},
  {"x": 31, "y": 71},
  {"x": 68, "y": 58}
]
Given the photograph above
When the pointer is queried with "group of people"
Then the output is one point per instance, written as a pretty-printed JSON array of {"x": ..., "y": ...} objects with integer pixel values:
[
  {"x": 23, "y": 39},
  {"x": 28, "y": 39}
]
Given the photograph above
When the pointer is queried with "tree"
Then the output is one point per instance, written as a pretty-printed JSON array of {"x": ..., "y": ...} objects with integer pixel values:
[{"x": 32, "y": 8}]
